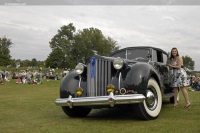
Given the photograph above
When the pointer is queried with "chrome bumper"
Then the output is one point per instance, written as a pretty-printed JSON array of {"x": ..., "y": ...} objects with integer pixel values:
[{"x": 101, "y": 100}]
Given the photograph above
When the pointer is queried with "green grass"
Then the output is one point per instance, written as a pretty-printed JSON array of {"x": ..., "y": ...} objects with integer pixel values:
[{"x": 31, "y": 108}]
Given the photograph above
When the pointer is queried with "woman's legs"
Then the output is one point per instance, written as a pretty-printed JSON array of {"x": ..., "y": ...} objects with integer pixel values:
[
  {"x": 175, "y": 96},
  {"x": 185, "y": 94}
]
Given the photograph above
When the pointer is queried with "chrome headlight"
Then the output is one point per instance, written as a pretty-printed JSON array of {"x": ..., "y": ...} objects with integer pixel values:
[
  {"x": 118, "y": 63},
  {"x": 79, "y": 69}
]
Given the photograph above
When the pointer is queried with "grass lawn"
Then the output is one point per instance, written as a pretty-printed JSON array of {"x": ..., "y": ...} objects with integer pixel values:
[{"x": 31, "y": 109}]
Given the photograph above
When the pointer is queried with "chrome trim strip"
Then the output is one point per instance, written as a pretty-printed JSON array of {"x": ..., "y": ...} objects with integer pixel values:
[
  {"x": 80, "y": 79},
  {"x": 109, "y": 72},
  {"x": 88, "y": 79},
  {"x": 119, "y": 80},
  {"x": 126, "y": 53},
  {"x": 106, "y": 77},
  {"x": 96, "y": 77},
  {"x": 101, "y": 100},
  {"x": 102, "y": 78}
]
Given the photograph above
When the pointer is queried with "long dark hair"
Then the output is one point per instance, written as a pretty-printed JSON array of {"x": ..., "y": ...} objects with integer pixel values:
[{"x": 171, "y": 56}]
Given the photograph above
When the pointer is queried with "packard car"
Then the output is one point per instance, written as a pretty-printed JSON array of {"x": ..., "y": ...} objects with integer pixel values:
[{"x": 135, "y": 77}]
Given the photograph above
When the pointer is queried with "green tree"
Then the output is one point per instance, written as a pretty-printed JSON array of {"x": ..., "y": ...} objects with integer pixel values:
[
  {"x": 79, "y": 46},
  {"x": 26, "y": 63},
  {"x": 33, "y": 62},
  {"x": 40, "y": 63},
  {"x": 90, "y": 39},
  {"x": 64, "y": 38},
  {"x": 62, "y": 42},
  {"x": 5, "y": 44},
  {"x": 13, "y": 62},
  {"x": 188, "y": 62},
  {"x": 55, "y": 58}
]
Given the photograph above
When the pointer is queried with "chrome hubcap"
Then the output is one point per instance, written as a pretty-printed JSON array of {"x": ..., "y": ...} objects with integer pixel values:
[{"x": 151, "y": 99}]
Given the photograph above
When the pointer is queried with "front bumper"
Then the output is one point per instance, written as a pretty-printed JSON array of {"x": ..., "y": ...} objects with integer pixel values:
[{"x": 101, "y": 100}]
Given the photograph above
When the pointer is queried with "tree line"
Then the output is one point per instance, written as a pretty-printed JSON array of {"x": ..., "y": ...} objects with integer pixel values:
[
  {"x": 5, "y": 57},
  {"x": 69, "y": 47}
]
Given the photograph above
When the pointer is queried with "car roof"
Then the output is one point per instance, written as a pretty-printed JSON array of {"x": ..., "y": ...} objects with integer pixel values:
[{"x": 139, "y": 47}]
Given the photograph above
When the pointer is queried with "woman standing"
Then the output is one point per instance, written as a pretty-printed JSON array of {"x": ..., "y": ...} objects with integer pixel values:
[{"x": 179, "y": 77}]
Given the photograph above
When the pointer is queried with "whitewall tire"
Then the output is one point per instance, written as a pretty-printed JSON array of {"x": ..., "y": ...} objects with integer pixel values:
[{"x": 151, "y": 107}]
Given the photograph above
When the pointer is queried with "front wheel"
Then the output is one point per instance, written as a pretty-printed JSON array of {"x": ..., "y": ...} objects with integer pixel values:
[
  {"x": 76, "y": 111},
  {"x": 151, "y": 107}
]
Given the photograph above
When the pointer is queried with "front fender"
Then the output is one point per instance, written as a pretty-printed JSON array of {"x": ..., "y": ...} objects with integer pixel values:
[
  {"x": 136, "y": 77},
  {"x": 70, "y": 83}
]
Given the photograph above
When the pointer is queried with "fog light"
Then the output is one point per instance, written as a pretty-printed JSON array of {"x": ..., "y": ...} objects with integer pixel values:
[
  {"x": 110, "y": 88},
  {"x": 79, "y": 91}
]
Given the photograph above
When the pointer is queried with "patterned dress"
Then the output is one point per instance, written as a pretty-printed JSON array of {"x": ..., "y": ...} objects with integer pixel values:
[{"x": 178, "y": 77}]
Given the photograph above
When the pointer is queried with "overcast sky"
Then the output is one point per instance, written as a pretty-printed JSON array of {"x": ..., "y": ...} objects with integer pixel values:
[{"x": 31, "y": 27}]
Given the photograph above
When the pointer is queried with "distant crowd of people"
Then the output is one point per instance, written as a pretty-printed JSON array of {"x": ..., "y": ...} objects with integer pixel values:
[
  {"x": 4, "y": 75},
  {"x": 195, "y": 82},
  {"x": 28, "y": 76}
]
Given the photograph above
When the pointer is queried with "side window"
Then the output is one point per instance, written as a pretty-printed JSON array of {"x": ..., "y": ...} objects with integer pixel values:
[
  {"x": 159, "y": 56},
  {"x": 164, "y": 58},
  {"x": 154, "y": 56}
]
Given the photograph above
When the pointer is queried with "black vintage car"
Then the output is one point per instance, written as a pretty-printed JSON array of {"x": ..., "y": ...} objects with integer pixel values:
[{"x": 135, "y": 77}]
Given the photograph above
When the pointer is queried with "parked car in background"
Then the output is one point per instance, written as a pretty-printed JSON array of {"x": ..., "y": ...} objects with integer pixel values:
[
  {"x": 133, "y": 77},
  {"x": 55, "y": 77}
]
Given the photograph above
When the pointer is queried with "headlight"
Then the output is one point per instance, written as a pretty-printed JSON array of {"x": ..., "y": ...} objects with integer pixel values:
[
  {"x": 79, "y": 68},
  {"x": 118, "y": 63}
]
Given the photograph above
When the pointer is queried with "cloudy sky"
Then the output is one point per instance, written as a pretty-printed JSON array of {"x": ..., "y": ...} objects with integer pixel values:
[{"x": 31, "y": 27}]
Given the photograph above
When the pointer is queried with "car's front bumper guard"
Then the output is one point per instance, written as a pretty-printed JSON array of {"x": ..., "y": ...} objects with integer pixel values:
[{"x": 101, "y": 100}]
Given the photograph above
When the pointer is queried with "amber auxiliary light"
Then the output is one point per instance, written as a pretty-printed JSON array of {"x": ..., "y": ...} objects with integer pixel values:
[
  {"x": 79, "y": 91},
  {"x": 110, "y": 88}
]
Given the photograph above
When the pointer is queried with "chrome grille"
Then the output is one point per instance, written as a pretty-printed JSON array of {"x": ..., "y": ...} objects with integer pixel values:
[{"x": 96, "y": 86}]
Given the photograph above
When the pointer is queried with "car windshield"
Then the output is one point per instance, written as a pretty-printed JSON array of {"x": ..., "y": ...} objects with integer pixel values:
[
  {"x": 121, "y": 54},
  {"x": 133, "y": 54},
  {"x": 137, "y": 54}
]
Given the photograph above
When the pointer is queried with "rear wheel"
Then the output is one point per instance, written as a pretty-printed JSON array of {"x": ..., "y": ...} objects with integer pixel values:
[
  {"x": 151, "y": 107},
  {"x": 76, "y": 111}
]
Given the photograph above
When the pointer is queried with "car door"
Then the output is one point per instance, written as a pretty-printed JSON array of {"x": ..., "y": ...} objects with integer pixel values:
[{"x": 160, "y": 59}]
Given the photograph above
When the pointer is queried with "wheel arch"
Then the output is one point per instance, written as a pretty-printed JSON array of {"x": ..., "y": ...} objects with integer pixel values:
[{"x": 155, "y": 77}]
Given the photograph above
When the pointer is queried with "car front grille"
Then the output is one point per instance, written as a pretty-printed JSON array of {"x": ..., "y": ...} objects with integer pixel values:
[{"x": 98, "y": 77}]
